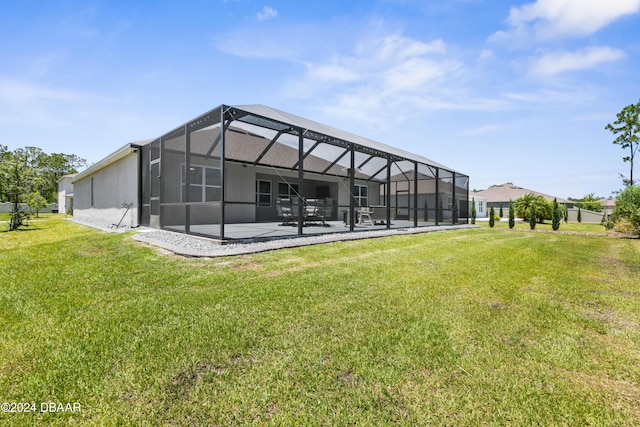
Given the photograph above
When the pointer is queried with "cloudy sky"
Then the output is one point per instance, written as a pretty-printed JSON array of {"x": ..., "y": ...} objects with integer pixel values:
[{"x": 505, "y": 91}]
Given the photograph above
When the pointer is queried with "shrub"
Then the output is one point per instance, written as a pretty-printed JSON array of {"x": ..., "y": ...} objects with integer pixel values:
[
  {"x": 555, "y": 224},
  {"x": 542, "y": 207},
  {"x": 532, "y": 217},
  {"x": 473, "y": 210},
  {"x": 492, "y": 217},
  {"x": 626, "y": 214},
  {"x": 512, "y": 217},
  {"x": 579, "y": 215}
]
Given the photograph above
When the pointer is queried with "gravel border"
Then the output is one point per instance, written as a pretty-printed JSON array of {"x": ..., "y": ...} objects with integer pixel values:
[{"x": 193, "y": 246}]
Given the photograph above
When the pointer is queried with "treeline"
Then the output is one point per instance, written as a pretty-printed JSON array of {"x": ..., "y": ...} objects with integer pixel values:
[{"x": 29, "y": 175}]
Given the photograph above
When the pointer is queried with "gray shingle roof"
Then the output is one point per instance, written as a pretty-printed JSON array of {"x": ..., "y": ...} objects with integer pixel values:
[{"x": 508, "y": 191}]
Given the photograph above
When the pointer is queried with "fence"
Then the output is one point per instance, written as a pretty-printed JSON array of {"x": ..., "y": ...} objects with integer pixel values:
[{"x": 51, "y": 208}]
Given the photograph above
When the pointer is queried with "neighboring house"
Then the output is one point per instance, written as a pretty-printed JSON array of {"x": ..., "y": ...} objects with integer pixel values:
[
  {"x": 608, "y": 205},
  {"x": 65, "y": 193},
  {"x": 500, "y": 195},
  {"x": 481, "y": 205},
  {"x": 227, "y": 172}
]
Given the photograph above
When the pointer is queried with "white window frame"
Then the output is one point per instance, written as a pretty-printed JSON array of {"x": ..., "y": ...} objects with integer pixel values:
[
  {"x": 292, "y": 190},
  {"x": 357, "y": 194},
  {"x": 258, "y": 193},
  {"x": 203, "y": 185}
]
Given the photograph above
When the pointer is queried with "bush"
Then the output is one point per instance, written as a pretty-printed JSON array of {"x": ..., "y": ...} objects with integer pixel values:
[
  {"x": 626, "y": 214},
  {"x": 473, "y": 210},
  {"x": 542, "y": 207},
  {"x": 492, "y": 217},
  {"x": 532, "y": 217},
  {"x": 512, "y": 218},
  {"x": 555, "y": 224}
]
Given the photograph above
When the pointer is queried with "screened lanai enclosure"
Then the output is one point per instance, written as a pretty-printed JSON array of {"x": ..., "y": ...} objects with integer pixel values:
[{"x": 246, "y": 173}]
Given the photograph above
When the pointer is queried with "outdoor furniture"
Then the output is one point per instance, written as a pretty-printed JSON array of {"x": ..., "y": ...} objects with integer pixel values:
[
  {"x": 314, "y": 211},
  {"x": 373, "y": 214},
  {"x": 285, "y": 211}
]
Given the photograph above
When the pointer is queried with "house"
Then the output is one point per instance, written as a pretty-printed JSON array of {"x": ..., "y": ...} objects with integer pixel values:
[
  {"x": 481, "y": 205},
  {"x": 501, "y": 195},
  {"x": 228, "y": 173},
  {"x": 65, "y": 193},
  {"x": 608, "y": 205}
]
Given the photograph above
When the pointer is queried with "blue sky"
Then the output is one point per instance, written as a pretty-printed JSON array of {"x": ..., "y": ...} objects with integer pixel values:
[{"x": 503, "y": 90}]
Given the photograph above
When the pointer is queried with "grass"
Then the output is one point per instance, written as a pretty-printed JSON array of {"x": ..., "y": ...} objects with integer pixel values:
[
  {"x": 546, "y": 226},
  {"x": 467, "y": 327}
]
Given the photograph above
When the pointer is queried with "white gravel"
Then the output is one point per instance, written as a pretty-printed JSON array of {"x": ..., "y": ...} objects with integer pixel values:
[
  {"x": 187, "y": 245},
  {"x": 194, "y": 246}
]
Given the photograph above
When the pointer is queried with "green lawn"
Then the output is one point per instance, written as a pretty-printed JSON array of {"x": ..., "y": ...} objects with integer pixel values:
[
  {"x": 468, "y": 327},
  {"x": 546, "y": 226}
]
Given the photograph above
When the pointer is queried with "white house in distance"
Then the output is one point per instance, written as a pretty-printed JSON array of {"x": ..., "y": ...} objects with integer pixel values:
[
  {"x": 252, "y": 172},
  {"x": 481, "y": 205},
  {"x": 65, "y": 193}
]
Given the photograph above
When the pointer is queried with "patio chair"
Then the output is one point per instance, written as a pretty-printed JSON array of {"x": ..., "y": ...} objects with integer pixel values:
[
  {"x": 365, "y": 215},
  {"x": 285, "y": 211}
]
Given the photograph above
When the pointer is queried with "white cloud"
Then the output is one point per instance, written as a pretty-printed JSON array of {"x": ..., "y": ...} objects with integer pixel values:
[
  {"x": 379, "y": 74},
  {"x": 556, "y": 63},
  {"x": 552, "y": 19},
  {"x": 481, "y": 130},
  {"x": 331, "y": 73},
  {"x": 25, "y": 102},
  {"x": 485, "y": 55},
  {"x": 266, "y": 13},
  {"x": 555, "y": 18}
]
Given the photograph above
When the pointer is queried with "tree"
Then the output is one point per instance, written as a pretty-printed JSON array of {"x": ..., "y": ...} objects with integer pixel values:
[
  {"x": 627, "y": 127},
  {"x": 473, "y": 210},
  {"x": 565, "y": 213},
  {"x": 555, "y": 222},
  {"x": 626, "y": 213},
  {"x": 532, "y": 216},
  {"x": 512, "y": 216},
  {"x": 523, "y": 207},
  {"x": 17, "y": 180},
  {"x": 4, "y": 155},
  {"x": 501, "y": 214},
  {"x": 492, "y": 219},
  {"x": 588, "y": 202},
  {"x": 35, "y": 201},
  {"x": 579, "y": 215},
  {"x": 55, "y": 166}
]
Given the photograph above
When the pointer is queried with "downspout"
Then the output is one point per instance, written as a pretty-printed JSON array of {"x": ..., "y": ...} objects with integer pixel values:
[{"x": 139, "y": 149}]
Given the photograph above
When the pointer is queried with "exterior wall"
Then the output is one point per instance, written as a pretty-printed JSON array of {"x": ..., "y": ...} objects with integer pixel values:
[
  {"x": 113, "y": 186},
  {"x": 589, "y": 217},
  {"x": 65, "y": 194},
  {"x": 241, "y": 187},
  {"x": 482, "y": 211}
]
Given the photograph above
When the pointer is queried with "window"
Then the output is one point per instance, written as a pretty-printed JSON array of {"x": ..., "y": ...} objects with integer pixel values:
[
  {"x": 361, "y": 194},
  {"x": 263, "y": 193},
  {"x": 480, "y": 206},
  {"x": 287, "y": 191},
  {"x": 204, "y": 184}
]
